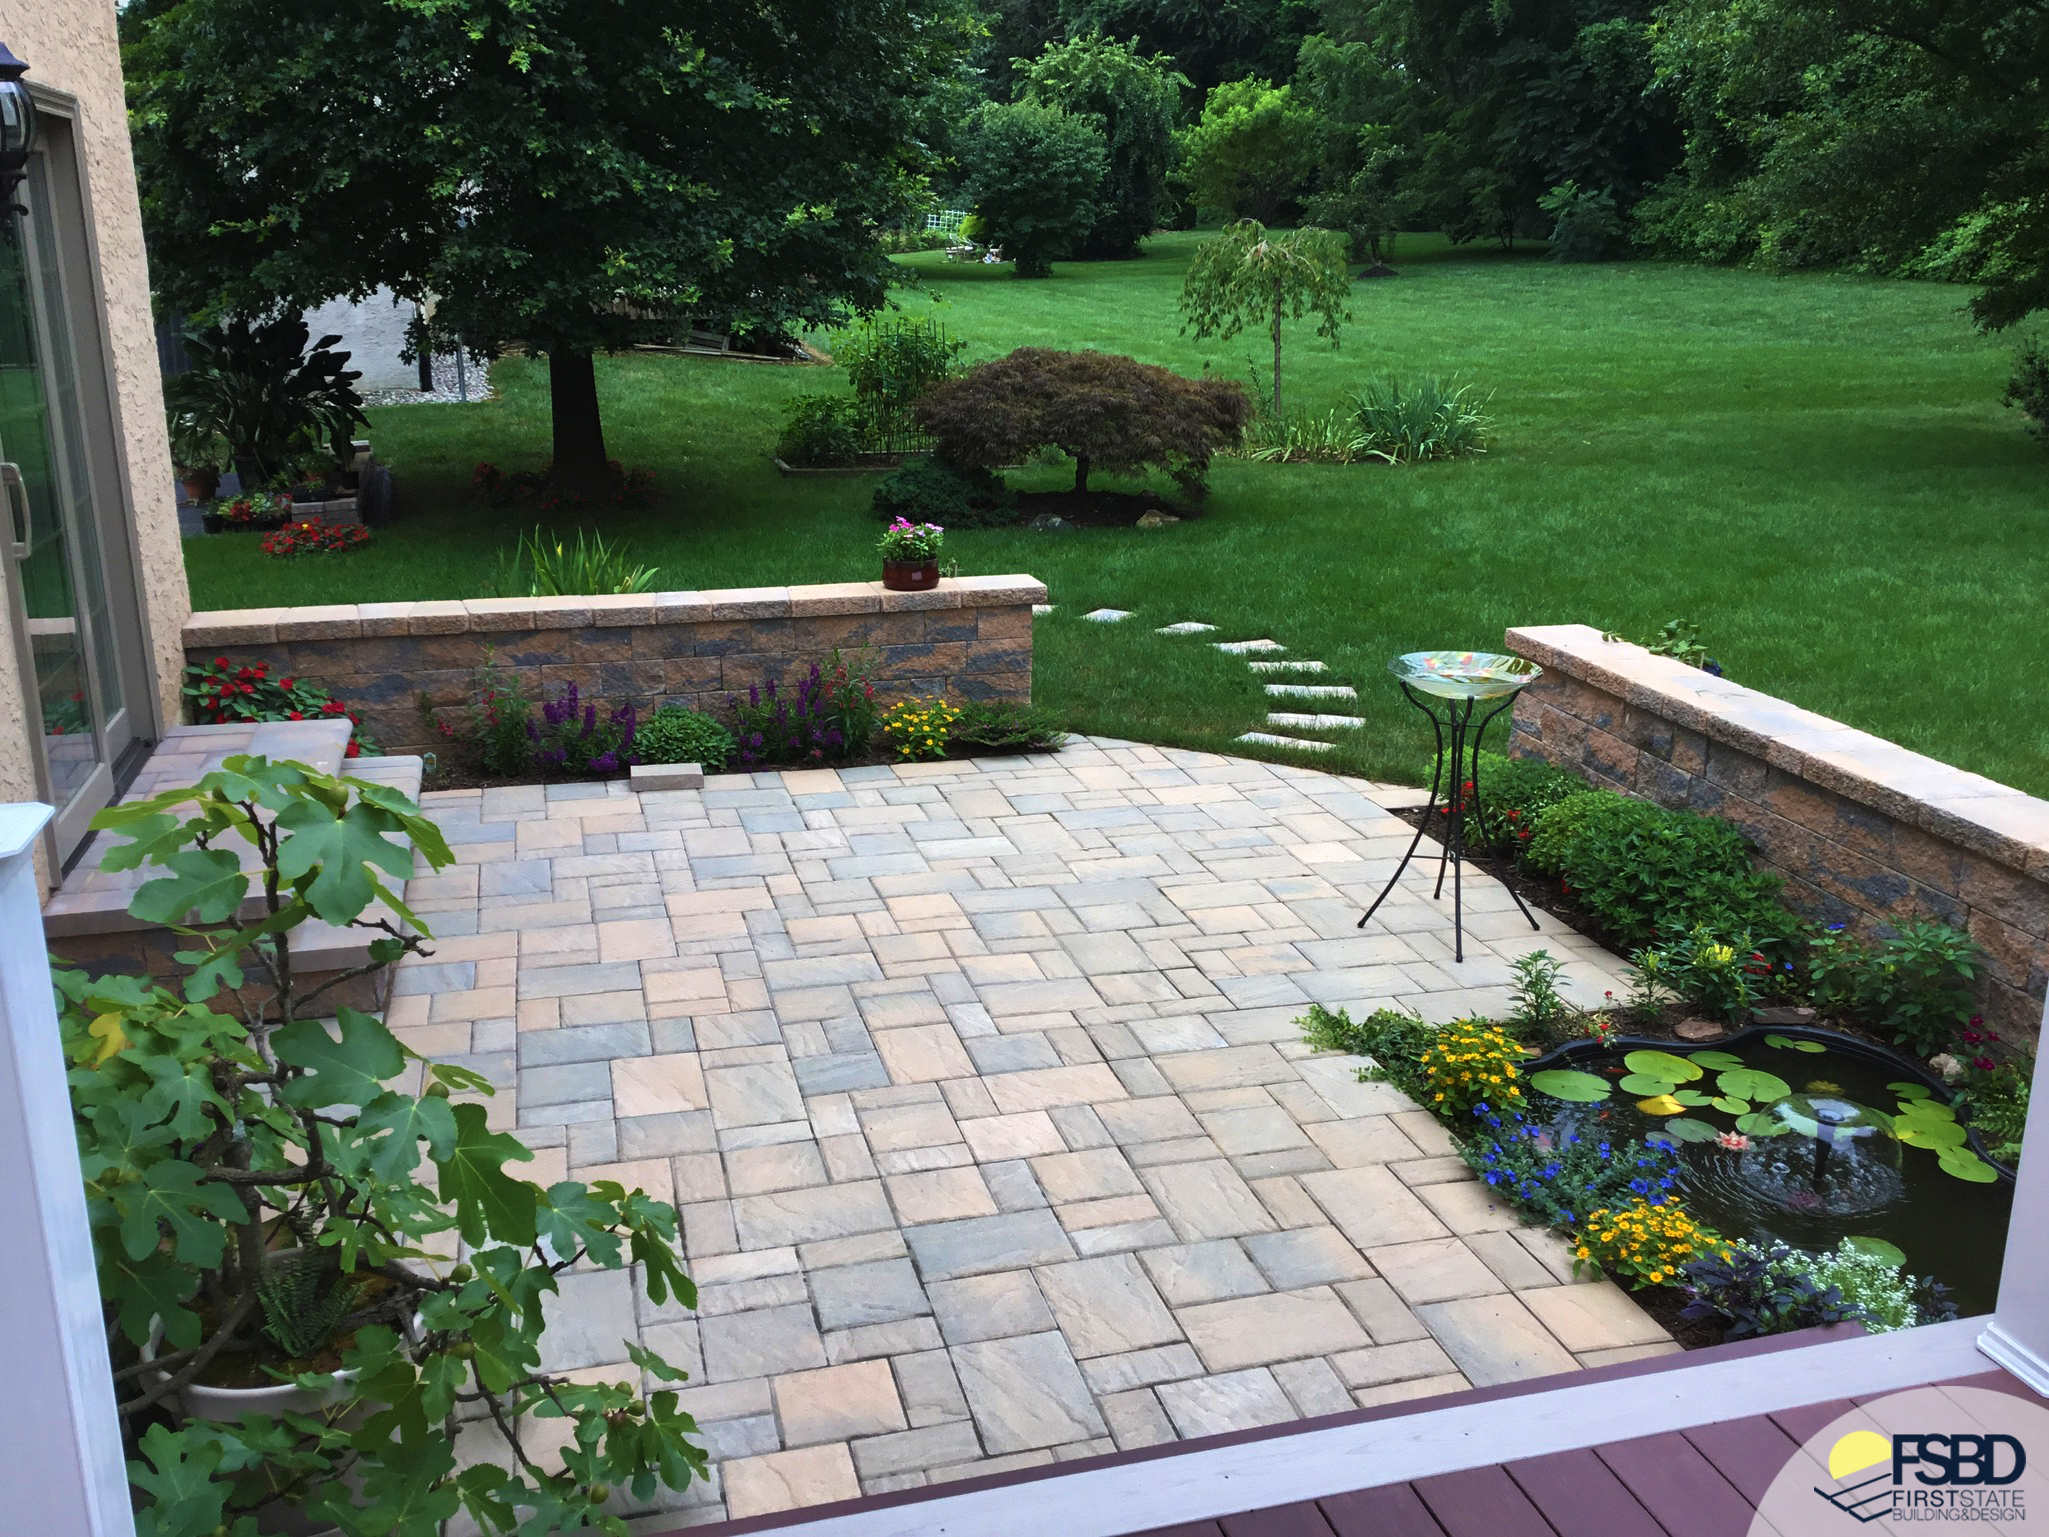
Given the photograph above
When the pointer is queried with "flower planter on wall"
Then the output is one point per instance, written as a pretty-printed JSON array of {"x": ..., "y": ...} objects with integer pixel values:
[{"x": 910, "y": 575}]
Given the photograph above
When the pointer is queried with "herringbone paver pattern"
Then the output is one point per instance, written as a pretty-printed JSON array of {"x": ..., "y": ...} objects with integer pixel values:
[{"x": 979, "y": 1088}]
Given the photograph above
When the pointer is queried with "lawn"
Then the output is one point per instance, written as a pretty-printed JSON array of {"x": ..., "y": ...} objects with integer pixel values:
[{"x": 1815, "y": 469}]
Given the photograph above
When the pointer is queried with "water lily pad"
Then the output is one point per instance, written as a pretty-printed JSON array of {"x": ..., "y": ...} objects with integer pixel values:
[
  {"x": 1965, "y": 1164},
  {"x": 1686, "y": 1129},
  {"x": 1662, "y": 1064},
  {"x": 1729, "y": 1105},
  {"x": 1926, "y": 1110},
  {"x": 1911, "y": 1091},
  {"x": 1877, "y": 1248},
  {"x": 1761, "y": 1123},
  {"x": 1692, "y": 1098},
  {"x": 1661, "y": 1104},
  {"x": 1715, "y": 1061},
  {"x": 1787, "y": 1043},
  {"x": 1752, "y": 1083},
  {"x": 1574, "y": 1087},
  {"x": 1647, "y": 1084},
  {"x": 1935, "y": 1134}
]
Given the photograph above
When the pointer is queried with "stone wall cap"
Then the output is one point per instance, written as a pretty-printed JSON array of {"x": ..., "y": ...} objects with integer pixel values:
[
  {"x": 438, "y": 619},
  {"x": 999, "y": 591},
  {"x": 331, "y": 621},
  {"x": 551, "y": 613},
  {"x": 837, "y": 598},
  {"x": 233, "y": 627},
  {"x": 384, "y": 619},
  {"x": 1996, "y": 820}
]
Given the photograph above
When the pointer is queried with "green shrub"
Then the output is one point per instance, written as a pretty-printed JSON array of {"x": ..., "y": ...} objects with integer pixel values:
[
  {"x": 1585, "y": 224},
  {"x": 997, "y": 726},
  {"x": 1034, "y": 171},
  {"x": 1721, "y": 975},
  {"x": 1995, "y": 1102},
  {"x": 1394, "y": 1040},
  {"x": 1915, "y": 984},
  {"x": 2029, "y": 387},
  {"x": 818, "y": 430},
  {"x": 676, "y": 735},
  {"x": 1651, "y": 875},
  {"x": 1513, "y": 792},
  {"x": 1411, "y": 421},
  {"x": 932, "y": 490},
  {"x": 891, "y": 363}
]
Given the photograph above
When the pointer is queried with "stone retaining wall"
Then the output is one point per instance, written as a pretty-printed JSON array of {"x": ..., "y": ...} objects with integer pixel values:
[
  {"x": 971, "y": 637},
  {"x": 1864, "y": 831}
]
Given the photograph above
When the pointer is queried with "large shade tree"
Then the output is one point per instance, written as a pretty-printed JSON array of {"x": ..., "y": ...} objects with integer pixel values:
[{"x": 564, "y": 176}]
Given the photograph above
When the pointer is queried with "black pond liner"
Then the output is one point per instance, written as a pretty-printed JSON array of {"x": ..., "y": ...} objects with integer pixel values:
[{"x": 1973, "y": 1292}]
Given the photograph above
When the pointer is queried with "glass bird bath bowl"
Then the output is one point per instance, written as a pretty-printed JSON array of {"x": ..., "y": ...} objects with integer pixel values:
[{"x": 1464, "y": 674}]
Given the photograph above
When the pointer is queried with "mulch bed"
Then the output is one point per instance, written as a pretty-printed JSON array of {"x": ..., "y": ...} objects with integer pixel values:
[
  {"x": 1099, "y": 509},
  {"x": 451, "y": 772}
]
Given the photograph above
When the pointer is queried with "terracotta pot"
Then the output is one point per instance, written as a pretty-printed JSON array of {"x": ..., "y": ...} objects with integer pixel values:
[
  {"x": 201, "y": 485},
  {"x": 910, "y": 575}
]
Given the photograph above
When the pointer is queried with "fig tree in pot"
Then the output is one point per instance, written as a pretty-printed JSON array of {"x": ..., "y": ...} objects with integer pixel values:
[
  {"x": 278, "y": 1201},
  {"x": 910, "y": 555}
]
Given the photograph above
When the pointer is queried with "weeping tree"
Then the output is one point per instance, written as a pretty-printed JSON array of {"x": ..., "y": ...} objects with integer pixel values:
[
  {"x": 1250, "y": 274},
  {"x": 567, "y": 177}
]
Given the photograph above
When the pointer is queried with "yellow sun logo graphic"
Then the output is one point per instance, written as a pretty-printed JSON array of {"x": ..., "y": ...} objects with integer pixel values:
[{"x": 1857, "y": 1451}]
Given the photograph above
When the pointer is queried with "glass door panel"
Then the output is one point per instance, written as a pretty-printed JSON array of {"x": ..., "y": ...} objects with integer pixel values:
[{"x": 55, "y": 580}]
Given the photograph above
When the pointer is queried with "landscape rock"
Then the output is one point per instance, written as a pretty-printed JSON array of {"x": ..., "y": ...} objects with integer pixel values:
[
  {"x": 1700, "y": 1030},
  {"x": 1156, "y": 519},
  {"x": 1784, "y": 1014}
]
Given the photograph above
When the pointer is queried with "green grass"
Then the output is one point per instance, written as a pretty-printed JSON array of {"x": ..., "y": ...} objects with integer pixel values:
[{"x": 1816, "y": 469}]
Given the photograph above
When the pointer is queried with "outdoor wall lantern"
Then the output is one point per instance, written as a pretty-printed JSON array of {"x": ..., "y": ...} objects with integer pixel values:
[{"x": 17, "y": 127}]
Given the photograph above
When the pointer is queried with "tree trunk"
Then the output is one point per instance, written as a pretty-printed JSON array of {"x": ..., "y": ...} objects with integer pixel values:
[
  {"x": 1081, "y": 473},
  {"x": 579, "y": 430},
  {"x": 1277, "y": 358}
]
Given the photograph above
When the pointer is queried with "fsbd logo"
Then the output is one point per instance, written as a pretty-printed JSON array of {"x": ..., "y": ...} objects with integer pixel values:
[{"x": 1930, "y": 1476}]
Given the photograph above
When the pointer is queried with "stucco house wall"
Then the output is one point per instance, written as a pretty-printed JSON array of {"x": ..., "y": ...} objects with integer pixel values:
[{"x": 71, "y": 48}]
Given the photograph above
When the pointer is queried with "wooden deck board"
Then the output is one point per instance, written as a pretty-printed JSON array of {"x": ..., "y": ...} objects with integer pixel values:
[
  {"x": 1303, "y": 1520},
  {"x": 1481, "y": 1502},
  {"x": 1678, "y": 1486},
  {"x": 1578, "y": 1494},
  {"x": 1749, "y": 1453},
  {"x": 1392, "y": 1510}
]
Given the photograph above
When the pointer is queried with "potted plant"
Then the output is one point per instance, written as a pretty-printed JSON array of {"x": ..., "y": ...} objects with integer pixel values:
[
  {"x": 279, "y": 1203},
  {"x": 252, "y": 509},
  {"x": 910, "y": 555},
  {"x": 197, "y": 452}
]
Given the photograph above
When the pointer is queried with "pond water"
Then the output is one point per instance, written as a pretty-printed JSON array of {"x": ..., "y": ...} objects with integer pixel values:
[{"x": 1806, "y": 1137}]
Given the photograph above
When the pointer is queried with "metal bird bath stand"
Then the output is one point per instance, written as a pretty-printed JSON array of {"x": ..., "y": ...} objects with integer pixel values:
[{"x": 1464, "y": 681}]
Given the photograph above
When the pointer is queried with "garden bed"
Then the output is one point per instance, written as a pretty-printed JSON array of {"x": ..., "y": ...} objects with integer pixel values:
[{"x": 1099, "y": 509}]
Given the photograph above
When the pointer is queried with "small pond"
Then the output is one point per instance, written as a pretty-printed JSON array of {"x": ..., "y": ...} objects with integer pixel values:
[{"x": 1804, "y": 1136}]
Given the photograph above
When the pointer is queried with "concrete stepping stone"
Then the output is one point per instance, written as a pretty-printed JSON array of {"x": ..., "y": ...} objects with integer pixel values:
[
  {"x": 1042, "y": 608},
  {"x": 1185, "y": 627},
  {"x": 1107, "y": 615},
  {"x": 1269, "y": 739},
  {"x": 1315, "y": 722},
  {"x": 1240, "y": 647},
  {"x": 1314, "y": 690},
  {"x": 1289, "y": 666}
]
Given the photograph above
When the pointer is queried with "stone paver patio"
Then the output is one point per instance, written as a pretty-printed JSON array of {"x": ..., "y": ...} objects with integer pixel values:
[{"x": 979, "y": 1089}]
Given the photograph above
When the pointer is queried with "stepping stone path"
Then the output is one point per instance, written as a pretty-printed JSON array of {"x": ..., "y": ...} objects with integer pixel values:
[
  {"x": 1107, "y": 615},
  {"x": 1290, "y": 720},
  {"x": 1314, "y": 690},
  {"x": 1315, "y": 722}
]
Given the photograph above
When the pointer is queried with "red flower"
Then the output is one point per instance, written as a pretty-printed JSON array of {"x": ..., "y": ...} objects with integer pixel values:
[
  {"x": 355, "y": 750},
  {"x": 284, "y": 683},
  {"x": 298, "y": 715}
]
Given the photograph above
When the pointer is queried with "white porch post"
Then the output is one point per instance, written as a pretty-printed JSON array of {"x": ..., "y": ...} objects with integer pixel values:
[
  {"x": 2018, "y": 1336},
  {"x": 61, "y": 1465}
]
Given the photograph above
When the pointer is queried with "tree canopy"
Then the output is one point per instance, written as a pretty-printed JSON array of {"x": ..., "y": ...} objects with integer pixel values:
[
  {"x": 567, "y": 176},
  {"x": 1136, "y": 100}
]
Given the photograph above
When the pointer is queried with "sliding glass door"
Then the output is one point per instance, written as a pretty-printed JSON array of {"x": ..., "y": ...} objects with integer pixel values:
[{"x": 56, "y": 572}]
